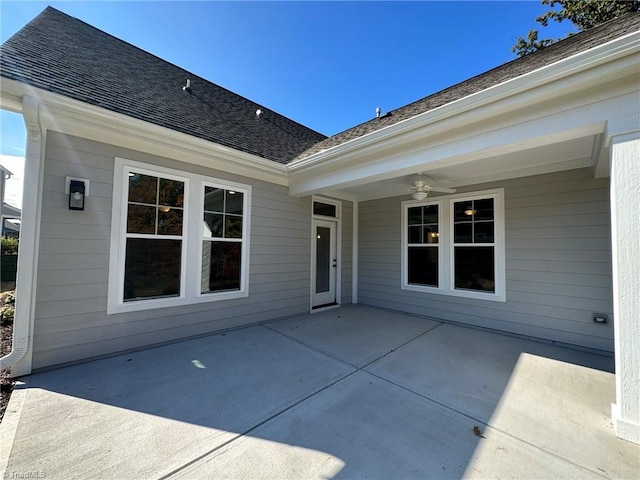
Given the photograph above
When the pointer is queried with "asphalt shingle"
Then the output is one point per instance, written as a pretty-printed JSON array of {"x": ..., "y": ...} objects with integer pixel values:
[{"x": 64, "y": 55}]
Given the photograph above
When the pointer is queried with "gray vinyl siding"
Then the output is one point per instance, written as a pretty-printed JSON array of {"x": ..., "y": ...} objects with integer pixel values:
[
  {"x": 558, "y": 262},
  {"x": 71, "y": 299}
]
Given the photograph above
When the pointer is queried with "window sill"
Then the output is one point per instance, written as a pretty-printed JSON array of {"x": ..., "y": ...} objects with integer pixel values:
[
  {"x": 492, "y": 297},
  {"x": 142, "y": 305}
]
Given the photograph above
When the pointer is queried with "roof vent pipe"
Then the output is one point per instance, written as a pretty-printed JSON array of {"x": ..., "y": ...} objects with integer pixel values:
[
  {"x": 258, "y": 113},
  {"x": 187, "y": 87},
  {"x": 378, "y": 112}
]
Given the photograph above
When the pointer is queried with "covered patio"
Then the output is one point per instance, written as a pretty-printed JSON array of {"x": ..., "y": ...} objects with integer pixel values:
[{"x": 354, "y": 392}]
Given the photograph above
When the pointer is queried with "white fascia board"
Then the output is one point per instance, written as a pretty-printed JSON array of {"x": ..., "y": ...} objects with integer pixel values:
[
  {"x": 73, "y": 117},
  {"x": 534, "y": 80}
]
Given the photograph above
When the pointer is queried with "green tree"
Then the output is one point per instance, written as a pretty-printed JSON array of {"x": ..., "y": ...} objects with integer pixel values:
[{"x": 584, "y": 14}]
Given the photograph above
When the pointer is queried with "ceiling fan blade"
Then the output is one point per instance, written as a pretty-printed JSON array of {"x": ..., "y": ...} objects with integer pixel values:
[{"x": 443, "y": 190}]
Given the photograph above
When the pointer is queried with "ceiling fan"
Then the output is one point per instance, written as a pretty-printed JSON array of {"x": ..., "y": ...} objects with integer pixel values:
[{"x": 421, "y": 188}]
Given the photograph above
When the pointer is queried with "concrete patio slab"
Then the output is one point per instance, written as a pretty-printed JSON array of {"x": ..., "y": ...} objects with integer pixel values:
[
  {"x": 285, "y": 401},
  {"x": 355, "y": 334},
  {"x": 144, "y": 414},
  {"x": 466, "y": 368},
  {"x": 365, "y": 427}
]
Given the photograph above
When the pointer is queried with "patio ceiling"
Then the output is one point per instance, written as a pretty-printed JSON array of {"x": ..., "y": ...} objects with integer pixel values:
[{"x": 582, "y": 152}]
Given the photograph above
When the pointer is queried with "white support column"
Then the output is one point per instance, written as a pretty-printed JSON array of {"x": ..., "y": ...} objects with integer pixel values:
[
  {"x": 625, "y": 238},
  {"x": 355, "y": 254}
]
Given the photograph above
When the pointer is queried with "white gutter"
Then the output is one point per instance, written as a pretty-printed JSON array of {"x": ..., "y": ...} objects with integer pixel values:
[{"x": 19, "y": 359}]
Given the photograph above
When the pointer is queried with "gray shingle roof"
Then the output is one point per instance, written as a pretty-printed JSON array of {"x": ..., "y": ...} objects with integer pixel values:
[
  {"x": 64, "y": 55},
  {"x": 577, "y": 43}
]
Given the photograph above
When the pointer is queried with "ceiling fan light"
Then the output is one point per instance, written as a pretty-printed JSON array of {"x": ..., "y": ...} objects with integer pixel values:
[{"x": 419, "y": 195}]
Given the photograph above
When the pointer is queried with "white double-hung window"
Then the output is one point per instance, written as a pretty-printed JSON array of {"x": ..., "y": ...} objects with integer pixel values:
[
  {"x": 176, "y": 238},
  {"x": 454, "y": 245}
]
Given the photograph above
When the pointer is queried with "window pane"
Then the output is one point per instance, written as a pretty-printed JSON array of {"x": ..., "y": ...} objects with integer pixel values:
[
  {"x": 463, "y": 211},
  {"x": 484, "y": 209},
  {"x": 234, "y": 202},
  {"x": 171, "y": 193},
  {"x": 430, "y": 214},
  {"x": 213, "y": 199},
  {"x": 221, "y": 266},
  {"x": 212, "y": 225},
  {"x": 152, "y": 268},
  {"x": 415, "y": 234},
  {"x": 169, "y": 221},
  {"x": 462, "y": 233},
  {"x": 423, "y": 265},
  {"x": 325, "y": 209},
  {"x": 483, "y": 232},
  {"x": 232, "y": 226},
  {"x": 141, "y": 219},
  {"x": 143, "y": 188},
  {"x": 474, "y": 268},
  {"x": 430, "y": 234},
  {"x": 415, "y": 216}
]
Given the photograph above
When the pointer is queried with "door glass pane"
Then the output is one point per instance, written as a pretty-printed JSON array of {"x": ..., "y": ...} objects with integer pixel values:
[
  {"x": 152, "y": 268},
  {"x": 423, "y": 266},
  {"x": 221, "y": 266},
  {"x": 323, "y": 259},
  {"x": 474, "y": 268}
]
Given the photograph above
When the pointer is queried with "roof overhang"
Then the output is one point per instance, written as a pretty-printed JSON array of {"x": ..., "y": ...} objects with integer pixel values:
[
  {"x": 62, "y": 114},
  {"x": 551, "y": 119}
]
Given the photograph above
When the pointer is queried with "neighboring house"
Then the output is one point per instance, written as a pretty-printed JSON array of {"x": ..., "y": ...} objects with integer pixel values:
[
  {"x": 205, "y": 211},
  {"x": 9, "y": 215}
]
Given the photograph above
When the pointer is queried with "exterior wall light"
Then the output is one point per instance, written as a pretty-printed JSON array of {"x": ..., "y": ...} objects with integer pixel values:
[{"x": 76, "y": 195}]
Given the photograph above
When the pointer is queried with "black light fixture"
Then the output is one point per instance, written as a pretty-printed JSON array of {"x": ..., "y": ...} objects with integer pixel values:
[{"x": 76, "y": 195}]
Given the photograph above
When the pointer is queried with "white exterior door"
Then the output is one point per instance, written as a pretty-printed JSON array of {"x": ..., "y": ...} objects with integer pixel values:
[{"x": 325, "y": 263}]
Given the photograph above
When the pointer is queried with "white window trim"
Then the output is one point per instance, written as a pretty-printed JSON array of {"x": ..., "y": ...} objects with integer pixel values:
[
  {"x": 190, "y": 283},
  {"x": 445, "y": 246}
]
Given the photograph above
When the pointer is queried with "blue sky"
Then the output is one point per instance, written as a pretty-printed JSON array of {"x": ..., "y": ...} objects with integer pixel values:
[{"x": 327, "y": 65}]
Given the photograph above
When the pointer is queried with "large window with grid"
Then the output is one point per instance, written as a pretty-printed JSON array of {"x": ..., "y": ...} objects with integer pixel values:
[
  {"x": 177, "y": 238},
  {"x": 455, "y": 245}
]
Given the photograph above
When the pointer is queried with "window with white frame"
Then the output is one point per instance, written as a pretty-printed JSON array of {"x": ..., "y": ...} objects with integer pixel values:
[
  {"x": 455, "y": 245},
  {"x": 177, "y": 238}
]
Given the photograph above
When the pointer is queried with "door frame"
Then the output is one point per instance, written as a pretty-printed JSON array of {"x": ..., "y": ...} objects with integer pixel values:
[{"x": 337, "y": 220}]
